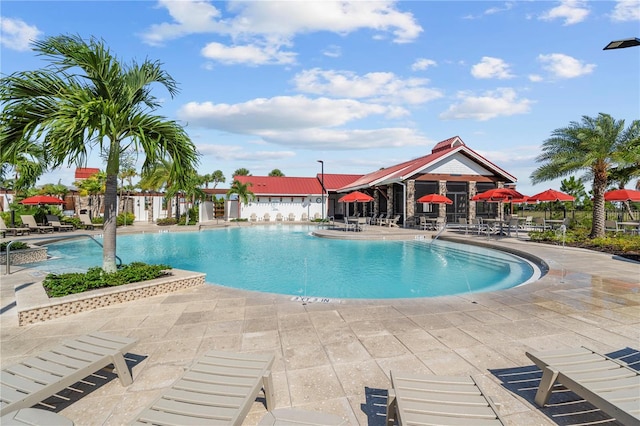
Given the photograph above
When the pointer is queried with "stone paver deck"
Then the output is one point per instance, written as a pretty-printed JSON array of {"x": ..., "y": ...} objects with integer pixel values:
[{"x": 336, "y": 357}]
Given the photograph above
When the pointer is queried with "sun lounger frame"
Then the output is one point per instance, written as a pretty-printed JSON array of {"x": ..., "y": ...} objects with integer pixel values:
[
  {"x": 35, "y": 379},
  {"x": 219, "y": 388},
  {"x": 417, "y": 399},
  {"x": 606, "y": 383}
]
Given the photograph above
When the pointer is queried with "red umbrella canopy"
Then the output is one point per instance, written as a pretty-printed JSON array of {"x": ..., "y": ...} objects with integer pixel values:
[
  {"x": 41, "y": 199},
  {"x": 552, "y": 195},
  {"x": 435, "y": 199},
  {"x": 356, "y": 197},
  {"x": 498, "y": 194},
  {"x": 622, "y": 195}
]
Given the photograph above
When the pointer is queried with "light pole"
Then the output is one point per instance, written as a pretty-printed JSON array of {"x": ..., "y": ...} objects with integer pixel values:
[{"x": 322, "y": 184}]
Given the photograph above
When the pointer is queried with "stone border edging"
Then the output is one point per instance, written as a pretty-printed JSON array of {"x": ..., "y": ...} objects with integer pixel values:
[
  {"x": 22, "y": 256},
  {"x": 33, "y": 304}
]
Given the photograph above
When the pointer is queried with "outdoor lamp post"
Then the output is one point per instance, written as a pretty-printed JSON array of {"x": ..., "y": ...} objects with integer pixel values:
[
  {"x": 621, "y": 44},
  {"x": 322, "y": 184}
]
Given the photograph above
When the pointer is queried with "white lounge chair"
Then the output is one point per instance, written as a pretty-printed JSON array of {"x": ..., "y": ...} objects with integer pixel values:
[
  {"x": 438, "y": 400},
  {"x": 34, "y": 416},
  {"x": 86, "y": 222},
  {"x": 218, "y": 389},
  {"x": 30, "y": 221},
  {"x": 37, "y": 378},
  {"x": 609, "y": 384}
]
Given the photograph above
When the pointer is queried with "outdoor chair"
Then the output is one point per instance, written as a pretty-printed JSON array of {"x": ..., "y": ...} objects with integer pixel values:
[
  {"x": 85, "y": 220},
  {"x": 34, "y": 416},
  {"x": 279, "y": 217},
  {"x": 35, "y": 379},
  {"x": 304, "y": 217},
  {"x": 253, "y": 217},
  {"x": 438, "y": 400},
  {"x": 266, "y": 217},
  {"x": 607, "y": 383},
  {"x": 57, "y": 226},
  {"x": 292, "y": 217},
  {"x": 611, "y": 226},
  {"x": 13, "y": 231},
  {"x": 394, "y": 221},
  {"x": 219, "y": 388},
  {"x": 30, "y": 221}
]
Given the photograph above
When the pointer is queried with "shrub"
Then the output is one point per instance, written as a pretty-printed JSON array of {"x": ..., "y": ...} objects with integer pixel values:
[
  {"x": 18, "y": 245},
  {"x": 58, "y": 285},
  {"x": 166, "y": 221},
  {"x": 125, "y": 219}
]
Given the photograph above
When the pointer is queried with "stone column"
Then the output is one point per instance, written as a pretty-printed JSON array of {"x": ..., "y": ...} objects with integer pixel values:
[
  {"x": 442, "y": 190},
  {"x": 411, "y": 202},
  {"x": 390, "y": 200},
  {"x": 472, "y": 204}
]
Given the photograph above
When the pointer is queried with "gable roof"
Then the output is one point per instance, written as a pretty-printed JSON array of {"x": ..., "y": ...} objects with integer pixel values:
[
  {"x": 407, "y": 169},
  {"x": 281, "y": 185},
  {"x": 333, "y": 182},
  {"x": 83, "y": 173}
]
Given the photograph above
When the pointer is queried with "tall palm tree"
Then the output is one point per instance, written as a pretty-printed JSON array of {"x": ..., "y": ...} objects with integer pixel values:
[
  {"x": 245, "y": 195},
  {"x": 594, "y": 145},
  {"x": 86, "y": 98}
]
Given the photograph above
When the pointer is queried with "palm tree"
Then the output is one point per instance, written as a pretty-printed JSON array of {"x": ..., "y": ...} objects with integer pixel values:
[
  {"x": 594, "y": 145},
  {"x": 245, "y": 195},
  {"x": 276, "y": 173},
  {"x": 26, "y": 158},
  {"x": 217, "y": 177},
  {"x": 86, "y": 98},
  {"x": 242, "y": 172}
]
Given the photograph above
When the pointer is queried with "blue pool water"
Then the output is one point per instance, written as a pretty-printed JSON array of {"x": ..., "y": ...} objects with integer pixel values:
[{"x": 288, "y": 260}]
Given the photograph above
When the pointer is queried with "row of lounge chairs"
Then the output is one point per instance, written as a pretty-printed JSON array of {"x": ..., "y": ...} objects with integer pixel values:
[
  {"x": 279, "y": 217},
  {"x": 220, "y": 387},
  {"x": 30, "y": 225}
]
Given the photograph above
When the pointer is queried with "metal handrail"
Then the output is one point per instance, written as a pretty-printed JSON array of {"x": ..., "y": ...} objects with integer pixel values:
[
  {"x": 444, "y": 227},
  {"x": 57, "y": 237}
]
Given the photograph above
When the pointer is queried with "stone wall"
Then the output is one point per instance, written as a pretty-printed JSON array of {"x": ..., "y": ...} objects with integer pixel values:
[
  {"x": 19, "y": 257},
  {"x": 35, "y": 306}
]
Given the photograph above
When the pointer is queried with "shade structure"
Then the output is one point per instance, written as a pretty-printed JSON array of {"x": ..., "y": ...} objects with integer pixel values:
[
  {"x": 551, "y": 195},
  {"x": 41, "y": 199},
  {"x": 434, "y": 199},
  {"x": 497, "y": 195},
  {"x": 622, "y": 195},
  {"x": 356, "y": 197}
]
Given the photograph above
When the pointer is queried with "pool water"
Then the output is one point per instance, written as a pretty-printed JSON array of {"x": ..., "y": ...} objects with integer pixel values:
[{"x": 289, "y": 260}]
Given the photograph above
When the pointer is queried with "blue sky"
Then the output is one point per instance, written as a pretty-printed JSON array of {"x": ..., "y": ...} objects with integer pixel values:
[{"x": 360, "y": 85}]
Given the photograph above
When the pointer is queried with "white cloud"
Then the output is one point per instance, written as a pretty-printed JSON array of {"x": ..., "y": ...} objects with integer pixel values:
[
  {"x": 247, "y": 54},
  {"x": 16, "y": 34},
  {"x": 498, "y": 103},
  {"x": 422, "y": 64},
  {"x": 490, "y": 67},
  {"x": 236, "y": 152},
  {"x": 626, "y": 10},
  {"x": 332, "y": 51},
  {"x": 282, "y": 113},
  {"x": 375, "y": 86},
  {"x": 492, "y": 11},
  {"x": 278, "y": 23},
  {"x": 572, "y": 11},
  {"x": 535, "y": 78},
  {"x": 564, "y": 66}
]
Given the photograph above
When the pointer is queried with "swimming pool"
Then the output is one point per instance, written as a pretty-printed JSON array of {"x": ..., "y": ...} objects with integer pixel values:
[{"x": 289, "y": 260}]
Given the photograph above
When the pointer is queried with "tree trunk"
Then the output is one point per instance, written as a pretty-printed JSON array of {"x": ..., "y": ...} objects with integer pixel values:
[
  {"x": 599, "y": 187},
  {"x": 109, "y": 227}
]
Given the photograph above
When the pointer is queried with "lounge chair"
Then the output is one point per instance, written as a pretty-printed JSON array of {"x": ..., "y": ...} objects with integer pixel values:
[
  {"x": 426, "y": 399},
  {"x": 37, "y": 378},
  {"x": 57, "y": 226},
  {"x": 30, "y": 221},
  {"x": 218, "y": 389},
  {"x": 13, "y": 231},
  {"x": 608, "y": 384},
  {"x": 34, "y": 416},
  {"x": 86, "y": 222}
]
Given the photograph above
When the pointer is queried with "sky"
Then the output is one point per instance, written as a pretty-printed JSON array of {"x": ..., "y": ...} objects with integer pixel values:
[{"x": 360, "y": 85}]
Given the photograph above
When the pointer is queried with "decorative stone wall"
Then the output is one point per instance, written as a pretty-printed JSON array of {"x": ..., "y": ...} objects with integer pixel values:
[
  {"x": 472, "y": 204},
  {"x": 442, "y": 190},
  {"x": 50, "y": 308},
  {"x": 411, "y": 202},
  {"x": 19, "y": 257}
]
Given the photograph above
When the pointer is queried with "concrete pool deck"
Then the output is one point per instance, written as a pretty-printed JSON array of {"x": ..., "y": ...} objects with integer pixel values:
[{"x": 336, "y": 357}]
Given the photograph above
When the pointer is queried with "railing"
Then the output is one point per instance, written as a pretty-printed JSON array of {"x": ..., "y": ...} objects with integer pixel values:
[
  {"x": 444, "y": 228},
  {"x": 57, "y": 237}
]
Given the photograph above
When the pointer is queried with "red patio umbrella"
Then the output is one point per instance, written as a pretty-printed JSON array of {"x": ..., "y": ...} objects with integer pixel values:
[
  {"x": 622, "y": 195},
  {"x": 497, "y": 195},
  {"x": 551, "y": 195},
  {"x": 434, "y": 199},
  {"x": 356, "y": 197},
  {"x": 41, "y": 199}
]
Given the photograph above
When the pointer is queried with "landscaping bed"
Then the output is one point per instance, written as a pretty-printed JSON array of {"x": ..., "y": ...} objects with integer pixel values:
[{"x": 622, "y": 245}]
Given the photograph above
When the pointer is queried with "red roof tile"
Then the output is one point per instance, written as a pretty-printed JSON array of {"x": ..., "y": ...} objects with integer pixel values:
[
  {"x": 334, "y": 181},
  {"x": 83, "y": 173},
  {"x": 277, "y": 185}
]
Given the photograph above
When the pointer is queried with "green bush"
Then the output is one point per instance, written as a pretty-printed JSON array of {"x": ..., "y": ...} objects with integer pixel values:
[
  {"x": 166, "y": 221},
  {"x": 125, "y": 219},
  {"x": 18, "y": 245},
  {"x": 579, "y": 237},
  {"x": 58, "y": 285}
]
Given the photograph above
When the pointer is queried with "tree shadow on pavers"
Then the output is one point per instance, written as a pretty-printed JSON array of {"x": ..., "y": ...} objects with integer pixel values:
[
  {"x": 564, "y": 407},
  {"x": 89, "y": 384},
  {"x": 375, "y": 406}
]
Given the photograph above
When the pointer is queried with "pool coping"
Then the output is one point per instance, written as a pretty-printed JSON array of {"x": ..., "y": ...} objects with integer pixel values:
[{"x": 34, "y": 305}]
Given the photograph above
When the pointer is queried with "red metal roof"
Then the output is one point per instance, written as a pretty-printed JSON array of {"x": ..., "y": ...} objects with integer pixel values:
[
  {"x": 403, "y": 171},
  {"x": 279, "y": 185},
  {"x": 83, "y": 173},
  {"x": 333, "y": 181}
]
